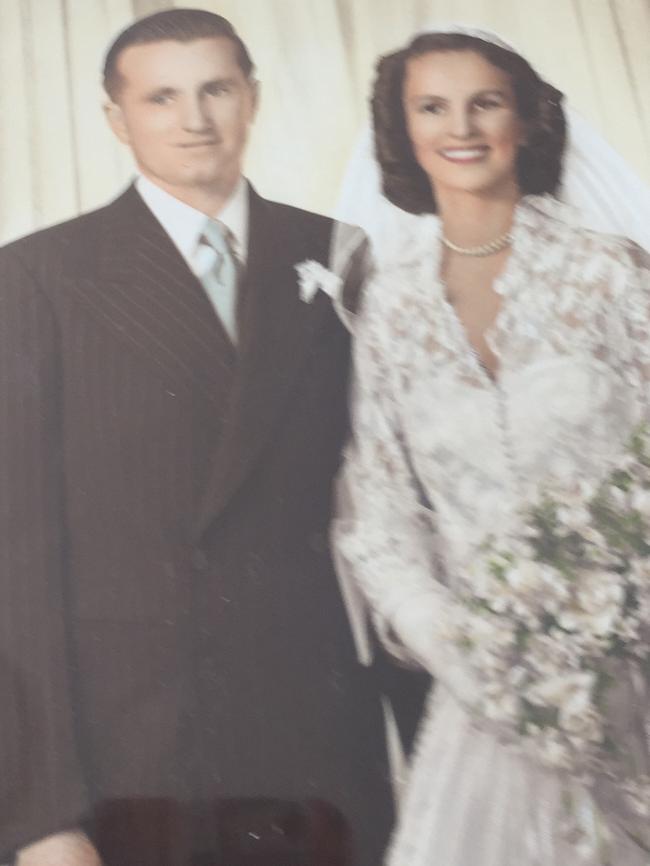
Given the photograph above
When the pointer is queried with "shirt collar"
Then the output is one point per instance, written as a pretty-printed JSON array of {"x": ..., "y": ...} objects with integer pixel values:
[
  {"x": 234, "y": 215},
  {"x": 185, "y": 224}
]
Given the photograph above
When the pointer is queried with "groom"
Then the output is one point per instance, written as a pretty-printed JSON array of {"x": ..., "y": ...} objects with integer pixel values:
[{"x": 177, "y": 672}]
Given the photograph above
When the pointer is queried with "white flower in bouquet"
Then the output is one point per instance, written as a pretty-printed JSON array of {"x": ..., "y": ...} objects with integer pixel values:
[
  {"x": 585, "y": 728},
  {"x": 619, "y": 497},
  {"x": 640, "y": 501},
  {"x": 639, "y": 571},
  {"x": 491, "y": 644},
  {"x": 501, "y": 704},
  {"x": 569, "y": 692},
  {"x": 527, "y": 576},
  {"x": 551, "y": 748},
  {"x": 597, "y": 605},
  {"x": 547, "y": 654},
  {"x": 575, "y": 517}
]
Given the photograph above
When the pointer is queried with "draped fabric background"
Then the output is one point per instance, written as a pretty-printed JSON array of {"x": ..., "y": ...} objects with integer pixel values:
[{"x": 315, "y": 60}]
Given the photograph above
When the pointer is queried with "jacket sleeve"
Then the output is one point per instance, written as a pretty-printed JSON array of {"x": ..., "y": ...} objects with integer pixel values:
[{"x": 42, "y": 789}]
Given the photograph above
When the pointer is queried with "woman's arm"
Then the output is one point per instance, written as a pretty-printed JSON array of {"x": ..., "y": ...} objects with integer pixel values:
[{"x": 384, "y": 533}]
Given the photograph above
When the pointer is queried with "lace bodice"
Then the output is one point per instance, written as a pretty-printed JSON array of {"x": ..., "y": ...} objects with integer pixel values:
[{"x": 443, "y": 455}]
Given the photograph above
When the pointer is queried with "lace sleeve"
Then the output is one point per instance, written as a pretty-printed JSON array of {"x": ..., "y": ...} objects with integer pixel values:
[
  {"x": 384, "y": 534},
  {"x": 634, "y": 305}
]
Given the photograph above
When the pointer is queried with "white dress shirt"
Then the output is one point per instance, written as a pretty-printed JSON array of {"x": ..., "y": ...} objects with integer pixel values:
[{"x": 185, "y": 224}]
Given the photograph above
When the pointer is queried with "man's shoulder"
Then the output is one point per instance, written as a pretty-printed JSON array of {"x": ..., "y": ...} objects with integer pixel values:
[
  {"x": 295, "y": 217},
  {"x": 78, "y": 236},
  {"x": 339, "y": 241}
]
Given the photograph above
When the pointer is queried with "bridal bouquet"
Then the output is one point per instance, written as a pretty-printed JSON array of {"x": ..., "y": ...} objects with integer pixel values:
[{"x": 556, "y": 615}]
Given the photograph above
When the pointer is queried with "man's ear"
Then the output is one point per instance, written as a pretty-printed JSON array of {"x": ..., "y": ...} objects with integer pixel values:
[{"x": 115, "y": 117}]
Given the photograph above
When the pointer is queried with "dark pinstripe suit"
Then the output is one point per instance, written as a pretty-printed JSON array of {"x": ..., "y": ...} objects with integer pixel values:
[{"x": 171, "y": 631}]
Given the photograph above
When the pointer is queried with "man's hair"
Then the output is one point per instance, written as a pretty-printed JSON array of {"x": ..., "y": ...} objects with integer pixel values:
[
  {"x": 539, "y": 105},
  {"x": 177, "y": 25}
]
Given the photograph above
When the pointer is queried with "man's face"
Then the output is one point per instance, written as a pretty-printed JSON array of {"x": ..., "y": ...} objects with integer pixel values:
[{"x": 184, "y": 109}]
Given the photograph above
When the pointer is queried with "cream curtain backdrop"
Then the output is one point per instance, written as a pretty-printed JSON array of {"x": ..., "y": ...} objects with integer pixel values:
[{"x": 315, "y": 60}]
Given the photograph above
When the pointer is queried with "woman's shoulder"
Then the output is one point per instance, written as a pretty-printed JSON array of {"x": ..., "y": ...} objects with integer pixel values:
[
  {"x": 405, "y": 260},
  {"x": 561, "y": 239},
  {"x": 552, "y": 220}
]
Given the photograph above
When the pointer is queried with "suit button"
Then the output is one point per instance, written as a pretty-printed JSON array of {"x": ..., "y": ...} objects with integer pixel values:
[{"x": 199, "y": 559}]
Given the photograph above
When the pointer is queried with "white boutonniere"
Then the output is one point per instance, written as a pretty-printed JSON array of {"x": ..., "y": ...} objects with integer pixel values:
[{"x": 313, "y": 276}]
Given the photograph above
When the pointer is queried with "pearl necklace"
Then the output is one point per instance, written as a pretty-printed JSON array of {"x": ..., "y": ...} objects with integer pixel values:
[{"x": 487, "y": 249}]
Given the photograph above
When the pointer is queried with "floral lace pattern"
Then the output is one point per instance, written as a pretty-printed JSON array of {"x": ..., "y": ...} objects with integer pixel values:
[{"x": 443, "y": 455}]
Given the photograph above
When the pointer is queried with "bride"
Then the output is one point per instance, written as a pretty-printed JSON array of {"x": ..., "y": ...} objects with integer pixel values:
[{"x": 502, "y": 351}]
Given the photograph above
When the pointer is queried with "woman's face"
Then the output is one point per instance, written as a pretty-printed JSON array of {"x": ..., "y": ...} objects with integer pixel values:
[{"x": 462, "y": 120}]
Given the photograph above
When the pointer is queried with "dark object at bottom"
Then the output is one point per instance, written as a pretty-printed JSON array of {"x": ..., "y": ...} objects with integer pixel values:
[
  {"x": 268, "y": 833},
  {"x": 246, "y": 832}
]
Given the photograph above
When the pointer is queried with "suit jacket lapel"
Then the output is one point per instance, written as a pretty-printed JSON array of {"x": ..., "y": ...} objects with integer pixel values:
[
  {"x": 278, "y": 328},
  {"x": 151, "y": 299}
]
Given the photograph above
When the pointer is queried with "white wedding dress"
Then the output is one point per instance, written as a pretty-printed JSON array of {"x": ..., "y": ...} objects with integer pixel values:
[{"x": 442, "y": 456}]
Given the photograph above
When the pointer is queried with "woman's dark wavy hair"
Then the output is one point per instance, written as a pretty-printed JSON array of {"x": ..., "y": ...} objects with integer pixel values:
[{"x": 539, "y": 105}]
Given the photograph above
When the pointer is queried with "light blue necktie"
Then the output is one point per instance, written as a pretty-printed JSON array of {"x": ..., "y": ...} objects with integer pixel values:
[{"x": 220, "y": 281}]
